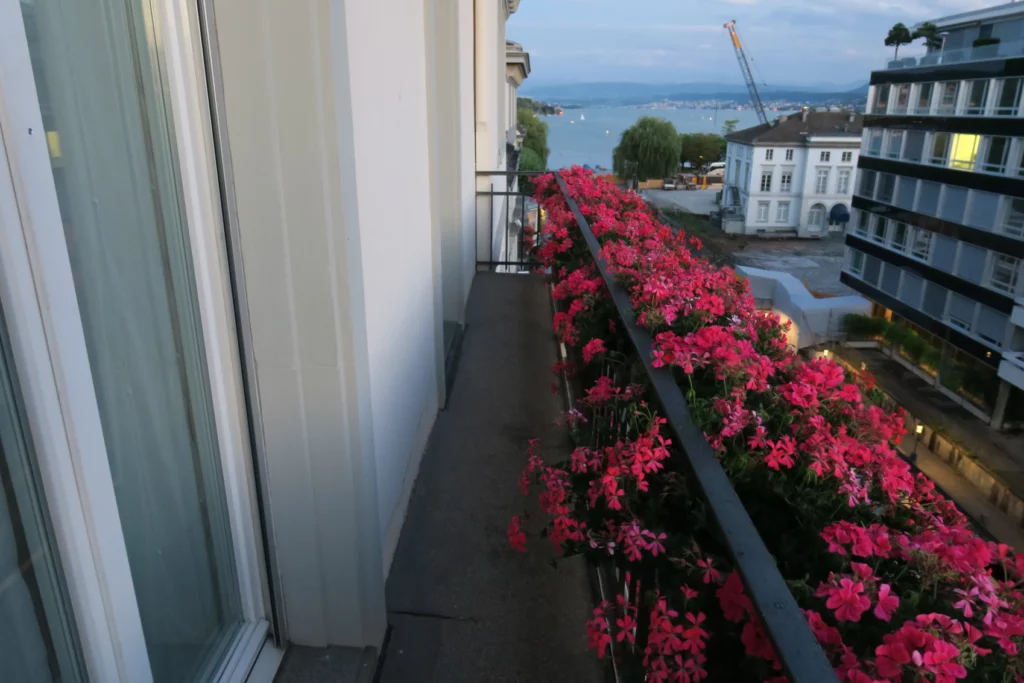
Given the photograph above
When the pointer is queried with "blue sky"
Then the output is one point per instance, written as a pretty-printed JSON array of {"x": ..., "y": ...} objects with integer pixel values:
[{"x": 792, "y": 42}]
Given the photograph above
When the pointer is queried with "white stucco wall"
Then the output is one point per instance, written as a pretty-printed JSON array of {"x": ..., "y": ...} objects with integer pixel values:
[
  {"x": 293, "y": 164},
  {"x": 389, "y": 115},
  {"x": 813, "y": 320},
  {"x": 806, "y": 160}
]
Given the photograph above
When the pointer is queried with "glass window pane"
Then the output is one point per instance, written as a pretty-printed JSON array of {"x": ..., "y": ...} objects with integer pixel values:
[
  {"x": 38, "y": 642},
  {"x": 102, "y": 96},
  {"x": 964, "y": 151},
  {"x": 924, "y": 97},
  {"x": 947, "y": 97},
  {"x": 1009, "y": 97},
  {"x": 976, "y": 96}
]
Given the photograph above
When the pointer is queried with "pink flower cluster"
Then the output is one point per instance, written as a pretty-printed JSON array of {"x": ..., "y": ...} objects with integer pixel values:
[{"x": 895, "y": 584}]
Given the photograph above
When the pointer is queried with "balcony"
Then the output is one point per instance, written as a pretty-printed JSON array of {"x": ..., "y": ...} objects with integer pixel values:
[
  {"x": 1003, "y": 50},
  {"x": 1011, "y": 369}
]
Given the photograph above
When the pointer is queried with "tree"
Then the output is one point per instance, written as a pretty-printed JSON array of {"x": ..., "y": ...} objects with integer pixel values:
[
  {"x": 930, "y": 33},
  {"x": 700, "y": 149},
  {"x": 536, "y": 134},
  {"x": 529, "y": 160},
  {"x": 730, "y": 126},
  {"x": 898, "y": 35},
  {"x": 648, "y": 149}
]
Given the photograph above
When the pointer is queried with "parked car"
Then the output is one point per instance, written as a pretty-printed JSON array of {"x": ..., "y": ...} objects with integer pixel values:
[{"x": 670, "y": 183}]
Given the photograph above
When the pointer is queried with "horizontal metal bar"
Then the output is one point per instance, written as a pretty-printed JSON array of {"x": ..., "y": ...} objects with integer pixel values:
[
  {"x": 523, "y": 264},
  {"x": 795, "y": 644},
  {"x": 499, "y": 193},
  {"x": 512, "y": 172}
]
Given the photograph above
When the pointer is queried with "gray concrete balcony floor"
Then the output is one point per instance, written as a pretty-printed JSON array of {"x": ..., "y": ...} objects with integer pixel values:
[{"x": 463, "y": 606}]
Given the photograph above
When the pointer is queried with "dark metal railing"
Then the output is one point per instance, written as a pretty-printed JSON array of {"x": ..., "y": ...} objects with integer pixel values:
[
  {"x": 503, "y": 214},
  {"x": 795, "y": 644}
]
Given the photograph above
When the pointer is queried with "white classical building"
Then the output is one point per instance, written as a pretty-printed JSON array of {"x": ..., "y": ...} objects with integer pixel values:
[
  {"x": 792, "y": 176},
  {"x": 236, "y": 245}
]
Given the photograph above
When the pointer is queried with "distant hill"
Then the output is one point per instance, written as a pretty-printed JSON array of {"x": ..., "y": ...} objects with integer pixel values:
[{"x": 643, "y": 93}]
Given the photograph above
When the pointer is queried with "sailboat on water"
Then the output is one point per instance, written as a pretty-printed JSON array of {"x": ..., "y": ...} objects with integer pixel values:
[{"x": 582, "y": 117}]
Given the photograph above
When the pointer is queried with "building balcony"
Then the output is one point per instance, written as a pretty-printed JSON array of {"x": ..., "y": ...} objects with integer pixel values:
[
  {"x": 1002, "y": 50},
  {"x": 1011, "y": 369}
]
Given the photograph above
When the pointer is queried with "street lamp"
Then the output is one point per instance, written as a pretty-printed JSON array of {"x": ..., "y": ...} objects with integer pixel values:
[{"x": 918, "y": 431}]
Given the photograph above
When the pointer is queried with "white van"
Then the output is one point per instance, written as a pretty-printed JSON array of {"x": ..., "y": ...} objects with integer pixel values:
[{"x": 716, "y": 165}]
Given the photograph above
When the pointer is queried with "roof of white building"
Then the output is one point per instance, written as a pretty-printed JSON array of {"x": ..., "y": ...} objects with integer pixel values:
[
  {"x": 995, "y": 13},
  {"x": 794, "y": 129}
]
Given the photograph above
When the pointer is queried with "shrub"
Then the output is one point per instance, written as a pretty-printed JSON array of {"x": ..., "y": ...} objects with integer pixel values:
[
  {"x": 865, "y": 325},
  {"x": 894, "y": 583}
]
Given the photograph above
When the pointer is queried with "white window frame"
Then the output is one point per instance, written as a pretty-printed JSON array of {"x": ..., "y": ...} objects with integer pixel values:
[
  {"x": 985, "y": 147},
  {"x": 994, "y": 260},
  {"x": 917, "y": 99},
  {"x": 983, "y": 108},
  {"x": 1014, "y": 109},
  {"x": 939, "y": 106},
  {"x": 49, "y": 348},
  {"x": 818, "y": 177},
  {"x": 764, "y": 210},
  {"x": 769, "y": 154},
  {"x": 929, "y": 241},
  {"x": 893, "y": 244},
  {"x": 766, "y": 179},
  {"x": 897, "y": 136},
  {"x": 825, "y": 157},
  {"x": 789, "y": 155},
  {"x": 782, "y": 212},
  {"x": 847, "y": 157},
  {"x": 874, "y": 236},
  {"x": 854, "y": 253},
  {"x": 784, "y": 185},
  {"x": 843, "y": 180},
  {"x": 876, "y": 134},
  {"x": 1006, "y": 211}
]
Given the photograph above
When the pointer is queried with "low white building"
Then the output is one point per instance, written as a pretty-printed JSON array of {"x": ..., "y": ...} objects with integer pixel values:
[{"x": 792, "y": 176}]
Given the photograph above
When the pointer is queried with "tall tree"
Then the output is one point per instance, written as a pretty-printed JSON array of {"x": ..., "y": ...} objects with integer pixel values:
[
  {"x": 529, "y": 160},
  {"x": 700, "y": 149},
  {"x": 730, "y": 126},
  {"x": 648, "y": 149},
  {"x": 536, "y": 134},
  {"x": 898, "y": 35},
  {"x": 930, "y": 33}
]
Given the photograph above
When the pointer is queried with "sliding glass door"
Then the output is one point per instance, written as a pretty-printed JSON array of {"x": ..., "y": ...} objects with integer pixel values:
[
  {"x": 38, "y": 641},
  {"x": 106, "y": 113}
]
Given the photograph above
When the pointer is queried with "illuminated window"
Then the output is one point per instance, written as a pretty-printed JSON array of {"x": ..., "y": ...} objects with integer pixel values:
[{"x": 964, "y": 151}]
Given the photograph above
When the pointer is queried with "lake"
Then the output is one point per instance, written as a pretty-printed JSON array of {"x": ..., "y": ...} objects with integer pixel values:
[{"x": 588, "y": 136}]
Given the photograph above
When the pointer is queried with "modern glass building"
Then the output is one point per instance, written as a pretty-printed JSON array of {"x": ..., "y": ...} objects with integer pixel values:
[{"x": 936, "y": 238}]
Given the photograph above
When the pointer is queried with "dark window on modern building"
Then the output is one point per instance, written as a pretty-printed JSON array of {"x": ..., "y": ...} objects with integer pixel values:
[{"x": 935, "y": 300}]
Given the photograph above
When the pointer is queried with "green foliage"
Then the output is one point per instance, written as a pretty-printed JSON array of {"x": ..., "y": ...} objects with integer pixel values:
[
  {"x": 536, "y": 134},
  {"x": 982, "y": 42},
  {"x": 913, "y": 346},
  {"x": 648, "y": 149},
  {"x": 730, "y": 126},
  {"x": 701, "y": 149},
  {"x": 931, "y": 357},
  {"x": 536, "y": 106},
  {"x": 865, "y": 325},
  {"x": 896, "y": 334},
  {"x": 529, "y": 160},
  {"x": 930, "y": 33},
  {"x": 898, "y": 35}
]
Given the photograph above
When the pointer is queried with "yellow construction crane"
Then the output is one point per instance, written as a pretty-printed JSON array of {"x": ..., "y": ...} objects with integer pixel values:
[{"x": 748, "y": 76}]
